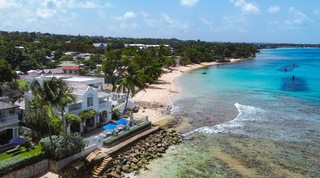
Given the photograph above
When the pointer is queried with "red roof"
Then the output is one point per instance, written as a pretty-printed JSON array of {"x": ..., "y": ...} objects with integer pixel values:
[{"x": 72, "y": 68}]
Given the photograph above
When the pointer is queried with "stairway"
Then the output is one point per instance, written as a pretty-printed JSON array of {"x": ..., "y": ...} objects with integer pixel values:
[
  {"x": 92, "y": 155},
  {"x": 96, "y": 172}
]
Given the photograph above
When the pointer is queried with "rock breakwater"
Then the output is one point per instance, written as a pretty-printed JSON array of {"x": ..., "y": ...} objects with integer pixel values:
[{"x": 141, "y": 153}]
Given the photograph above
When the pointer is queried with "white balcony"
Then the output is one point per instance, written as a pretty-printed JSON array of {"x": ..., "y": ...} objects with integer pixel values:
[{"x": 9, "y": 119}]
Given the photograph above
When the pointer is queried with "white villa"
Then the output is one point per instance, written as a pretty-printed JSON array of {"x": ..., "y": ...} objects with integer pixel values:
[
  {"x": 89, "y": 95},
  {"x": 9, "y": 122}
]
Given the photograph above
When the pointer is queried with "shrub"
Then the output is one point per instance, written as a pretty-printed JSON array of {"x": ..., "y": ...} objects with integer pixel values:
[
  {"x": 115, "y": 114},
  {"x": 59, "y": 150}
]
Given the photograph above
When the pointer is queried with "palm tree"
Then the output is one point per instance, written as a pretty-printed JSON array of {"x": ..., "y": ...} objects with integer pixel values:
[
  {"x": 65, "y": 97},
  {"x": 52, "y": 93},
  {"x": 41, "y": 102},
  {"x": 130, "y": 83}
]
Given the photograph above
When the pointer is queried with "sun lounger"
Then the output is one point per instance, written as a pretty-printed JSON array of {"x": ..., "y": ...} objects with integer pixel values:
[{"x": 14, "y": 149}]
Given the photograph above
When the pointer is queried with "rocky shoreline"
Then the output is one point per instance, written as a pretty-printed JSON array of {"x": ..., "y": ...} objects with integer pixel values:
[{"x": 141, "y": 153}]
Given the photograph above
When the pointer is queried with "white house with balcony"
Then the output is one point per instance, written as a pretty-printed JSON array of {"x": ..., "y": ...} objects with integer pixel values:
[
  {"x": 89, "y": 98},
  {"x": 89, "y": 95},
  {"x": 9, "y": 122}
]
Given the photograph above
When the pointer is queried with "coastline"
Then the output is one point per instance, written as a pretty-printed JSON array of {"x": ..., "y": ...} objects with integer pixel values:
[{"x": 156, "y": 101}]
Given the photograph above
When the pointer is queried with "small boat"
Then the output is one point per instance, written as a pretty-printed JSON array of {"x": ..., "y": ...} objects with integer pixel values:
[{"x": 204, "y": 73}]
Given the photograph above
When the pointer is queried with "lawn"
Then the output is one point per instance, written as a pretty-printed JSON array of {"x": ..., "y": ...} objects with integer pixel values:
[
  {"x": 22, "y": 152},
  {"x": 19, "y": 159}
]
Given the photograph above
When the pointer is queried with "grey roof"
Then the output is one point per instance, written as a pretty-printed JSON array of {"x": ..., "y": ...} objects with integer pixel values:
[
  {"x": 4, "y": 105},
  {"x": 102, "y": 94},
  {"x": 77, "y": 88}
]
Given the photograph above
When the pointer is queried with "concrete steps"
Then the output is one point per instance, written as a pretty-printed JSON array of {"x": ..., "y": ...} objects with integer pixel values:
[
  {"x": 96, "y": 172},
  {"x": 92, "y": 155}
]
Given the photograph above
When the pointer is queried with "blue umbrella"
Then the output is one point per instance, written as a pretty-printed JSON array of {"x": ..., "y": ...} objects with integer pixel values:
[
  {"x": 109, "y": 127},
  {"x": 122, "y": 121},
  {"x": 18, "y": 141}
]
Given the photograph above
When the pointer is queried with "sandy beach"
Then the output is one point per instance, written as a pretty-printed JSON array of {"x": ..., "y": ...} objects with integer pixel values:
[{"x": 156, "y": 101}]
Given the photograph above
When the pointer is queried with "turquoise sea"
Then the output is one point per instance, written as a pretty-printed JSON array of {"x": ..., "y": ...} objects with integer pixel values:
[{"x": 249, "y": 118}]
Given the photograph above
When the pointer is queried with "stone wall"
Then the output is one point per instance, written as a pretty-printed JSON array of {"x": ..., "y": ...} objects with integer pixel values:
[
  {"x": 30, "y": 171},
  {"x": 56, "y": 166}
]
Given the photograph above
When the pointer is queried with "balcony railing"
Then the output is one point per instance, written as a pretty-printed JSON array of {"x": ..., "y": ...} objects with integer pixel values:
[{"x": 9, "y": 119}]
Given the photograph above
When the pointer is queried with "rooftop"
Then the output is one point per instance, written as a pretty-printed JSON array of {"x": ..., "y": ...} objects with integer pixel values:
[
  {"x": 77, "y": 67},
  {"x": 77, "y": 88},
  {"x": 4, "y": 105}
]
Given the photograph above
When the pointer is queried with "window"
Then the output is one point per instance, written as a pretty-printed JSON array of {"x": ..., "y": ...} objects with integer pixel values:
[{"x": 89, "y": 101}]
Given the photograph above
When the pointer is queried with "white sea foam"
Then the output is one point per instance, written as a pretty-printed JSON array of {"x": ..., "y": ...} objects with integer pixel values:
[
  {"x": 246, "y": 113},
  {"x": 175, "y": 109}
]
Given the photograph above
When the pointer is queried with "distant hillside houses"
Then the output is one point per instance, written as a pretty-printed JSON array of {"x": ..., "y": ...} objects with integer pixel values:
[{"x": 144, "y": 46}]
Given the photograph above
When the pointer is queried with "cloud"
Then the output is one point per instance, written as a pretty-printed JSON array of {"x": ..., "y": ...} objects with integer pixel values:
[
  {"x": 145, "y": 14},
  {"x": 8, "y": 4},
  {"x": 247, "y": 8},
  {"x": 188, "y": 3},
  {"x": 205, "y": 21},
  {"x": 297, "y": 18},
  {"x": 56, "y": 16},
  {"x": 237, "y": 23},
  {"x": 274, "y": 9},
  {"x": 125, "y": 16}
]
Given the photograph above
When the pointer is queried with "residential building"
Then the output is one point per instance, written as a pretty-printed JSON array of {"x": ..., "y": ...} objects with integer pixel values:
[
  {"x": 89, "y": 95},
  {"x": 9, "y": 122}
]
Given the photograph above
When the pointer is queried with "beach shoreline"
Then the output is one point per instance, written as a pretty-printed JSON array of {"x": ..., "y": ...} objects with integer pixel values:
[{"x": 157, "y": 100}]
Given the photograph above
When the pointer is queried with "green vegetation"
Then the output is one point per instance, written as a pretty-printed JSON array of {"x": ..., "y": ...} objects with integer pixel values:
[
  {"x": 22, "y": 84},
  {"x": 62, "y": 148},
  {"x": 12, "y": 90},
  {"x": 19, "y": 159},
  {"x": 87, "y": 114}
]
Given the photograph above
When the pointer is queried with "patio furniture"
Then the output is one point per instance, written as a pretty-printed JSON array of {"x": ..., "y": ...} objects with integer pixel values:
[{"x": 13, "y": 150}]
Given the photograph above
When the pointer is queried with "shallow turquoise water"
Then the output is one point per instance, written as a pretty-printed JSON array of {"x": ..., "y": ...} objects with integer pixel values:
[{"x": 251, "y": 103}]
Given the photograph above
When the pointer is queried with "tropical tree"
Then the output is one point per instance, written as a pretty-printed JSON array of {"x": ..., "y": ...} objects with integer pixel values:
[
  {"x": 6, "y": 74},
  {"x": 114, "y": 66},
  {"x": 12, "y": 91},
  {"x": 130, "y": 83},
  {"x": 65, "y": 97},
  {"x": 48, "y": 95}
]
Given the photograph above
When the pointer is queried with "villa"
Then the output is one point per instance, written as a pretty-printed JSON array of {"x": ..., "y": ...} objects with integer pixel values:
[{"x": 89, "y": 95}]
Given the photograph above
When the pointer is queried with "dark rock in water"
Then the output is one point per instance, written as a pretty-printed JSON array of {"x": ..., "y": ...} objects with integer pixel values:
[
  {"x": 296, "y": 85},
  {"x": 204, "y": 73},
  {"x": 288, "y": 68}
]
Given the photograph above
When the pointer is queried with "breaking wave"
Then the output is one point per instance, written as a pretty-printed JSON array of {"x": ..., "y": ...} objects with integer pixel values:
[{"x": 246, "y": 114}]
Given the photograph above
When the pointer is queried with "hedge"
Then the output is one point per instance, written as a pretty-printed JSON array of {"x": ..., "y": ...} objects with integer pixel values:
[
  {"x": 133, "y": 131},
  {"x": 21, "y": 160}
]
